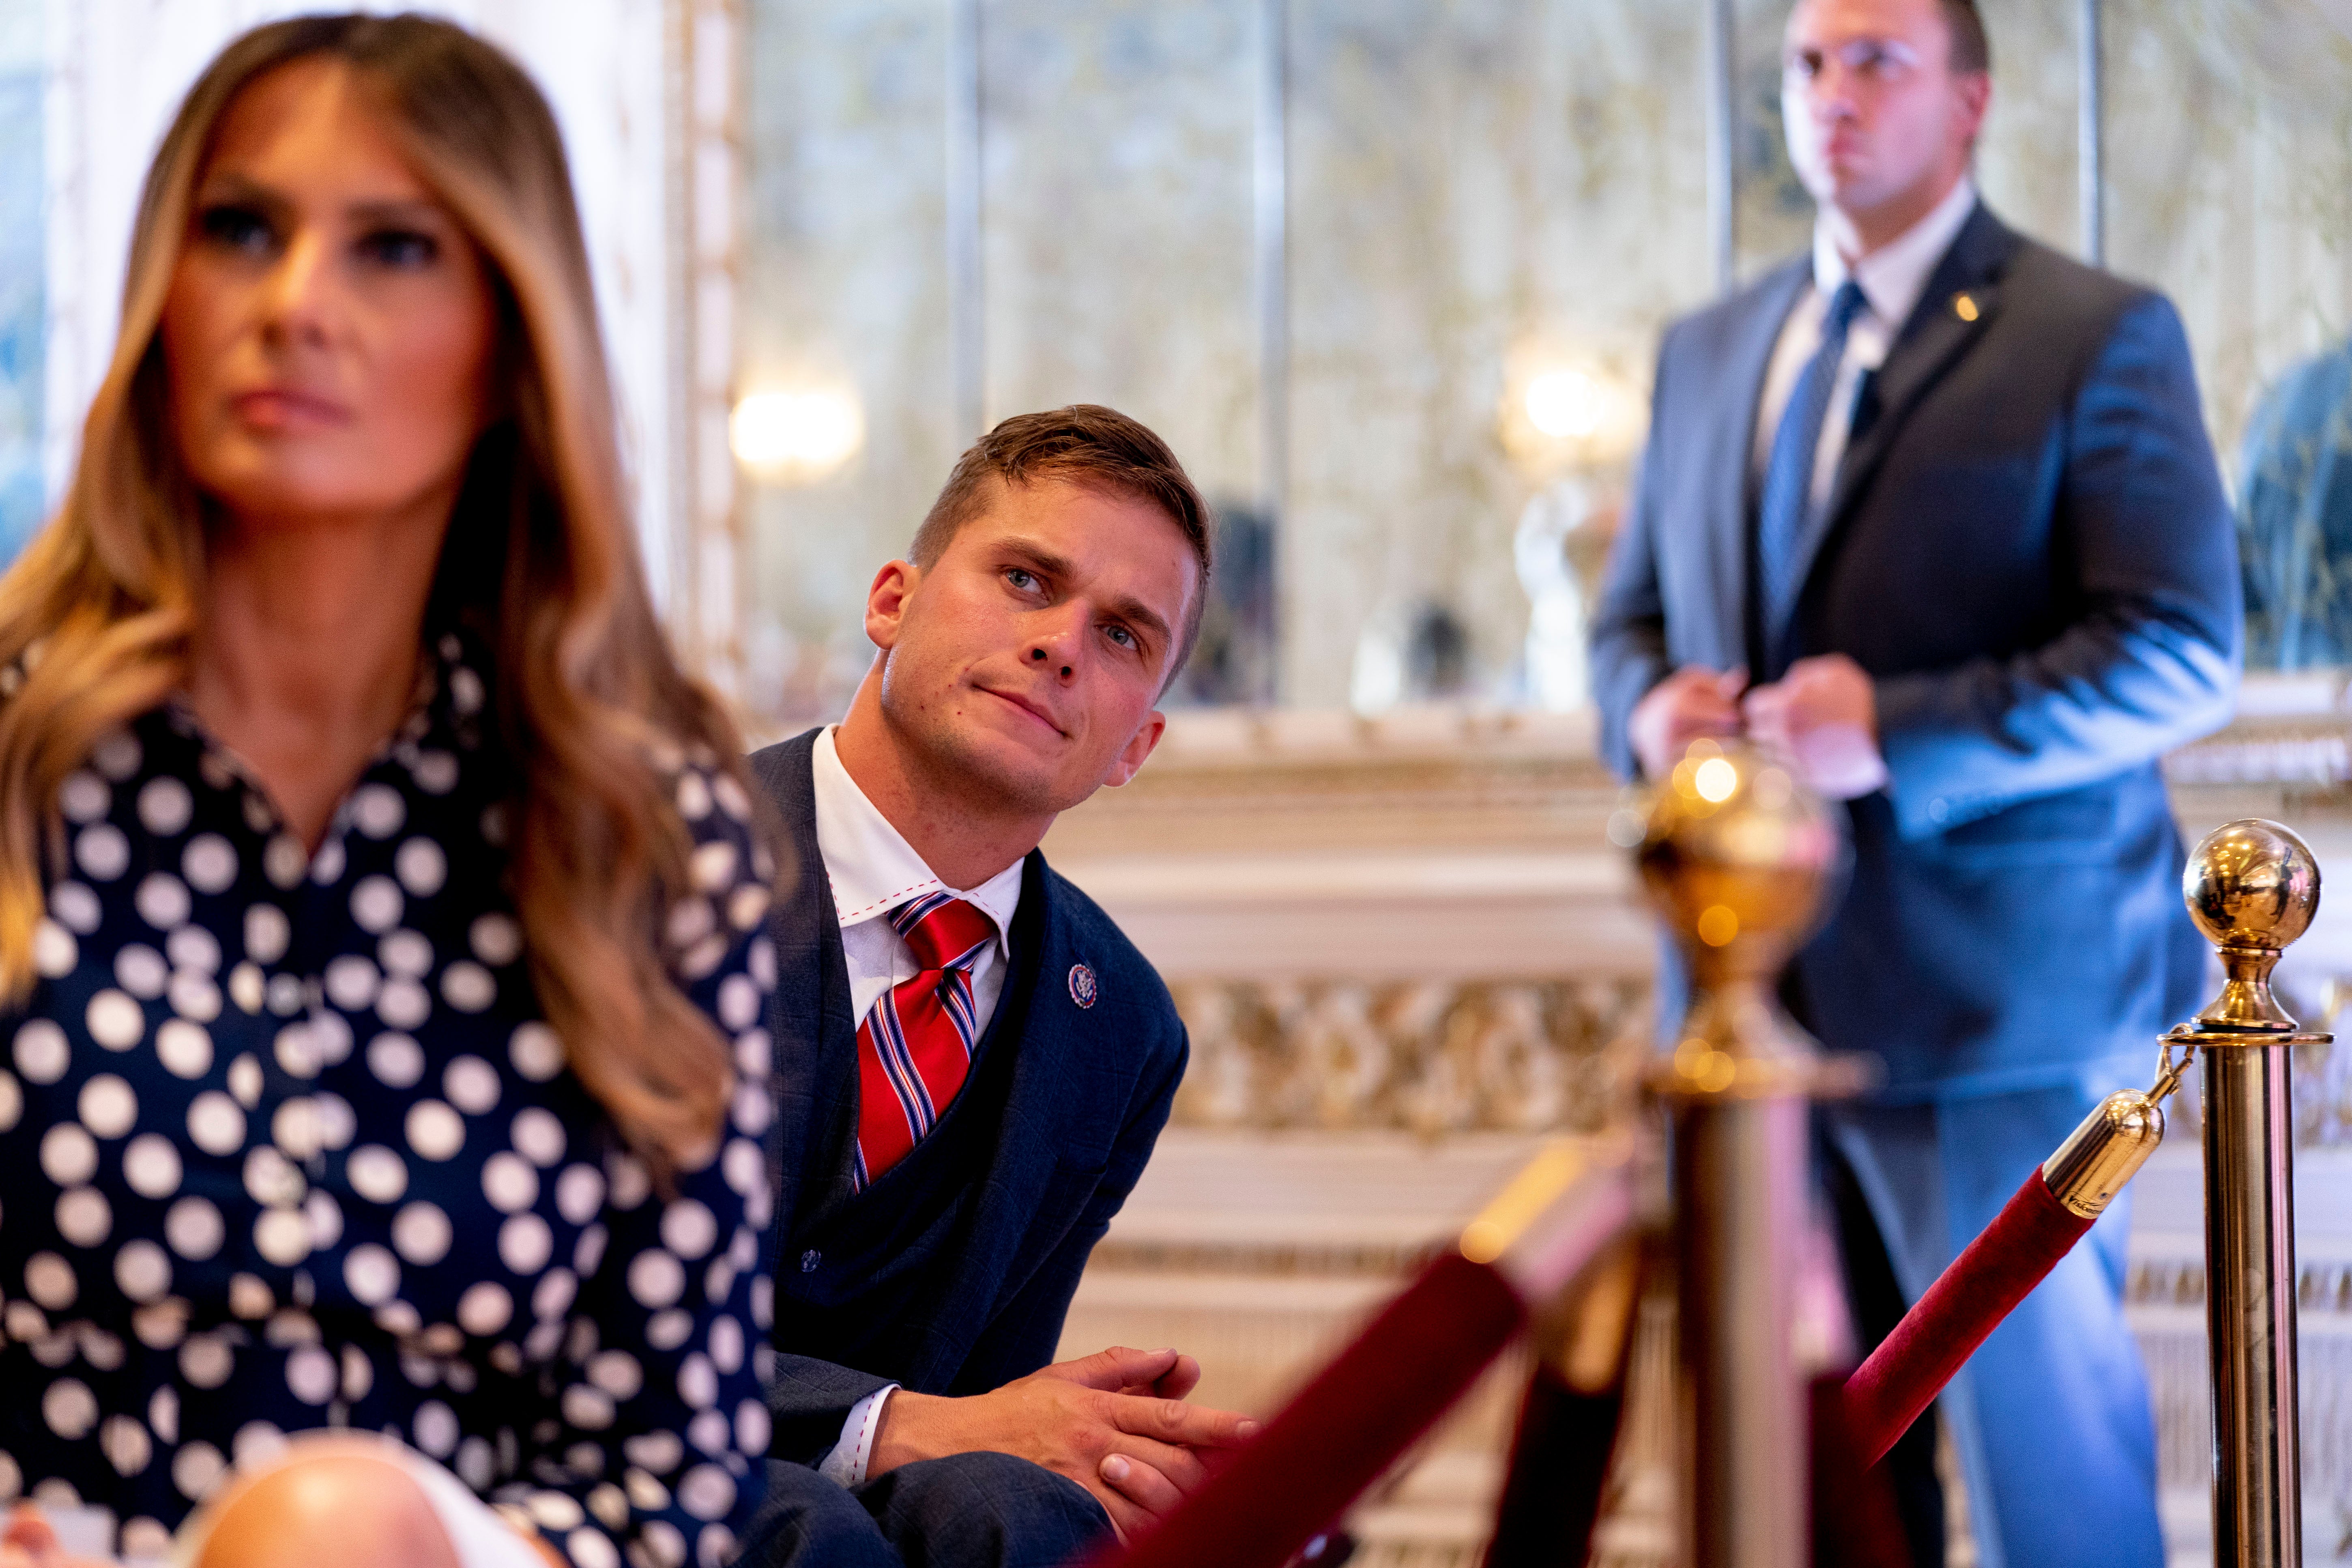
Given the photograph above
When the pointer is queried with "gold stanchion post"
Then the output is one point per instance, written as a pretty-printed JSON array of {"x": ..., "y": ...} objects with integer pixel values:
[
  {"x": 2252, "y": 888},
  {"x": 1734, "y": 856}
]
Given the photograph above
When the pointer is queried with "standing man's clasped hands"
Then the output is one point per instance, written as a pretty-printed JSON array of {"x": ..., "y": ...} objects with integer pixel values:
[
  {"x": 1693, "y": 703},
  {"x": 1820, "y": 721}
]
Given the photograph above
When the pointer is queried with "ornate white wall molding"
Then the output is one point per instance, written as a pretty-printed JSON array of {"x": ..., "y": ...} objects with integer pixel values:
[
  {"x": 1431, "y": 1057},
  {"x": 1418, "y": 921}
]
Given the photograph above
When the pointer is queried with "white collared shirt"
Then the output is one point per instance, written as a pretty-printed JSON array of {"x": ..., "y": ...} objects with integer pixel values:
[
  {"x": 1892, "y": 279},
  {"x": 872, "y": 869}
]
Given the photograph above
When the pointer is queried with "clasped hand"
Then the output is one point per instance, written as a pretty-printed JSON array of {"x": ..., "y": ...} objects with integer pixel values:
[
  {"x": 1114, "y": 1422},
  {"x": 1820, "y": 721}
]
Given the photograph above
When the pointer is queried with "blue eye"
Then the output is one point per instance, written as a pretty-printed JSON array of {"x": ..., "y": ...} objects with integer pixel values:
[
  {"x": 1122, "y": 636},
  {"x": 401, "y": 249},
  {"x": 1021, "y": 578},
  {"x": 236, "y": 228}
]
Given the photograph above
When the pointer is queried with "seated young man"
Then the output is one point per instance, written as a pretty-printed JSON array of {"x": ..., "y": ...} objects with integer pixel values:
[{"x": 972, "y": 1063}]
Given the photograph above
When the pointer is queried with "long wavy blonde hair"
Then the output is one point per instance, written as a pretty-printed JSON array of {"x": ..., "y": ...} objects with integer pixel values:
[{"x": 99, "y": 611}]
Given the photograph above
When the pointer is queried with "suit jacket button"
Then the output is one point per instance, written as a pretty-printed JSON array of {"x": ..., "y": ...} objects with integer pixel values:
[
  {"x": 810, "y": 1259},
  {"x": 1938, "y": 809}
]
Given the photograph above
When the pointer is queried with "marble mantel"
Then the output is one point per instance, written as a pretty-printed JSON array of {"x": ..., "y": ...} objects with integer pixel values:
[
  {"x": 1417, "y": 921},
  {"x": 1247, "y": 820}
]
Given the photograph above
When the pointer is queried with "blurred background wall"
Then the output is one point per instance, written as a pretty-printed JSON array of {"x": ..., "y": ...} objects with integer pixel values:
[
  {"x": 1387, "y": 273},
  {"x": 1390, "y": 275},
  {"x": 1489, "y": 208},
  {"x": 23, "y": 277}
]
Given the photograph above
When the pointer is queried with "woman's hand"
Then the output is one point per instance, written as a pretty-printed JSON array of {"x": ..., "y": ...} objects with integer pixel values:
[{"x": 31, "y": 1542}]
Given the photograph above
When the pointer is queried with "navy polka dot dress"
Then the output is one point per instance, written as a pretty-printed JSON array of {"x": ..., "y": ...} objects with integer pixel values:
[{"x": 285, "y": 1142}]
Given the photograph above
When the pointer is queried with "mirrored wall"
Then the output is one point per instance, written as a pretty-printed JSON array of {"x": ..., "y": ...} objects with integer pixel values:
[{"x": 1389, "y": 275}]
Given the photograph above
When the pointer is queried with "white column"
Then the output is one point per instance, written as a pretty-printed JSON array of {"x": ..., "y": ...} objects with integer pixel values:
[{"x": 705, "y": 247}]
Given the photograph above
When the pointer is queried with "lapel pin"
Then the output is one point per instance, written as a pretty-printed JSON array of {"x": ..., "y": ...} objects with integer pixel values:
[
  {"x": 1964, "y": 306},
  {"x": 1083, "y": 989}
]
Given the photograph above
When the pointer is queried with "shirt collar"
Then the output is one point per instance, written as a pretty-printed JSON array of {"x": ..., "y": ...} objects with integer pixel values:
[
  {"x": 1893, "y": 275},
  {"x": 872, "y": 868}
]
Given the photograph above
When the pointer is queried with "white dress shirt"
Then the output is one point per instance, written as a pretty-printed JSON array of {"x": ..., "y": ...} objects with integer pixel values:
[
  {"x": 1892, "y": 279},
  {"x": 872, "y": 869}
]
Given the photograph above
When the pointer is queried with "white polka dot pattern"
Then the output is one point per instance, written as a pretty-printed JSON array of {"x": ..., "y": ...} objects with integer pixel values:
[
  {"x": 537, "y": 1053},
  {"x": 55, "y": 952},
  {"x": 288, "y": 1125},
  {"x": 525, "y": 1244},
  {"x": 537, "y": 1135},
  {"x": 434, "y": 1131},
  {"x": 209, "y": 864}
]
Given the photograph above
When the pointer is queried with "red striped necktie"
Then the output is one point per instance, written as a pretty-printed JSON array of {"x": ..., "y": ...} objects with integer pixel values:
[{"x": 915, "y": 1046}]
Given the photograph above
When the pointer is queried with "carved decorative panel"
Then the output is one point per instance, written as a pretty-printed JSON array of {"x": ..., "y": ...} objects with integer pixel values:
[{"x": 1428, "y": 1057}]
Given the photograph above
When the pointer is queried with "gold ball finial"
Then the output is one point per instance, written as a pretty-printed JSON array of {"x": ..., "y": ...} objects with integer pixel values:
[
  {"x": 2252, "y": 888},
  {"x": 2251, "y": 885},
  {"x": 1735, "y": 854}
]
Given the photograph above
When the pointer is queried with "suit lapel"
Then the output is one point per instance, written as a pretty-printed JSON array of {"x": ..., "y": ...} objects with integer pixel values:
[
  {"x": 1030, "y": 1060},
  {"x": 1937, "y": 334},
  {"x": 1046, "y": 1083},
  {"x": 1731, "y": 466},
  {"x": 815, "y": 1039}
]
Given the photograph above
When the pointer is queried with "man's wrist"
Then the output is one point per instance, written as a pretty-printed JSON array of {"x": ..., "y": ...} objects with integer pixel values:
[
  {"x": 907, "y": 1431},
  {"x": 851, "y": 1459}
]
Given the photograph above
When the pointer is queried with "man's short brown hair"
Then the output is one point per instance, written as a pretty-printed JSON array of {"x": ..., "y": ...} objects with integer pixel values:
[
  {"x": 1971, "y": 50},
  {"x": 1084, "y": 444}
]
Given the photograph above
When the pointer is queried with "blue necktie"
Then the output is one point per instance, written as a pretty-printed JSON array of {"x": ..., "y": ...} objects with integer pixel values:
[{"x": 1786, "y": 502}]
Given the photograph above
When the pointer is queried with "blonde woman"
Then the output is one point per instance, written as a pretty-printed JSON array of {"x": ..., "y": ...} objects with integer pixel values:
[{"x": 379, "y": 907}]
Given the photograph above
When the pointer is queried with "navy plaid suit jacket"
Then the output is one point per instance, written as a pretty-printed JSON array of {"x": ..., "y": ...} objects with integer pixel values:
[{"x": 952, "y": 1273}]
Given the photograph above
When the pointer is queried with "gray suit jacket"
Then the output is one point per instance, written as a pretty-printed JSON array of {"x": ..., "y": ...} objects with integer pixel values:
[{"x": 2029, "y": 549}]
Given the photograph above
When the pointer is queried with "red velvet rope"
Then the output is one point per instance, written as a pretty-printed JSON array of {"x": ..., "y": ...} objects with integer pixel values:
[
  {"x": 1967, "y": 1302},
  {"x": 1331, "y": 1441}
]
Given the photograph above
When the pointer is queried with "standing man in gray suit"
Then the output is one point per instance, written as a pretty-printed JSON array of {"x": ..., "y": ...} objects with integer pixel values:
[{"x": 1931, "y": 516}]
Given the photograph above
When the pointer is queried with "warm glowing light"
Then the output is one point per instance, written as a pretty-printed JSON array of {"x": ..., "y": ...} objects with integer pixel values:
[
  {"x": 1565, "y": 404},
  {"x": 1717, "y": 925},
  {"x": 802, "y": 430},
  {"x": 1716, "y": 780}
]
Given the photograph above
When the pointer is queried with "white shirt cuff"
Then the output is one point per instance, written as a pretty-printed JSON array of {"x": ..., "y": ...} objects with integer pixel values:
[{"x": 845, "y": 1466}]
